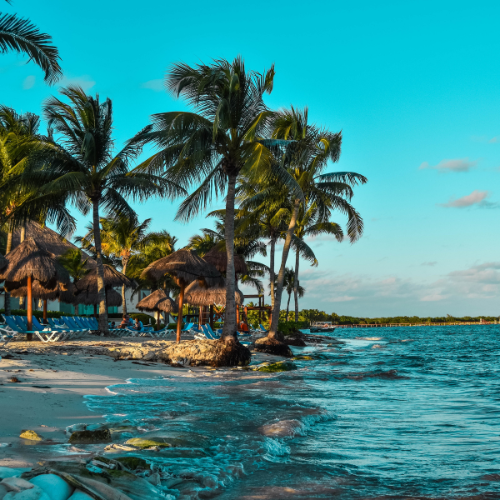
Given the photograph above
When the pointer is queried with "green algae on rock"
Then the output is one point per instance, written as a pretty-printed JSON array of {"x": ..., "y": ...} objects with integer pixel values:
[
  {"x": 142, "y": 443},
  {"x": 280, "y": 366}
]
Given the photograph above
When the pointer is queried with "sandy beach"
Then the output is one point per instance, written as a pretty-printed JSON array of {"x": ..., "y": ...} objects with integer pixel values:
[{"x": 52, "y": 382}]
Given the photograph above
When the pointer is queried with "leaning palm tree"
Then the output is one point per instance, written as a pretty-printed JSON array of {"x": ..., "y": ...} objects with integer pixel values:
[
  {"x": 121, "y": 237},
  {"x": 20, "y": 35},
  {"x": 81, "y": 164},
  {"x": 310, "y": 151},
  {"x": 217, "y": 144}
]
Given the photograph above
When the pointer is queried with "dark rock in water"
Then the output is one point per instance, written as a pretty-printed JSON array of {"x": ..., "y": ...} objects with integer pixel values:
[
  {"x": 89, "y": 437},
  {"x": 273, "y": 346},
  {"x": 296, "y": 339},
  {"x": 134, "y": 463}
]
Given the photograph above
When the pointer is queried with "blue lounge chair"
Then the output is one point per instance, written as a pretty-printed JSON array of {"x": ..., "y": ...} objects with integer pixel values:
[
  {"x": 211, "y": 332},
  {"x": 73, "y": 325},
  {"x": 44, "y": 335},
  {"x": 262, "y": 329}
]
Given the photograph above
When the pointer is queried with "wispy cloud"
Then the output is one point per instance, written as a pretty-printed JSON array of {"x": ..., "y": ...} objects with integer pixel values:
[
  {"x": 156, "y": 85},
  {"x": 477, "y": 198},
  {"x": 83, "y": 81},
  {"x": 430, "y": 264},
  {"x": 29, "y": 82},
  {"x": 451, "y": 165},
  {"x": 493, "y": 140}
]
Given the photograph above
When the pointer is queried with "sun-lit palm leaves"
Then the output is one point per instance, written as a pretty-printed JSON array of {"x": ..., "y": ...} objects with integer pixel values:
[
  {"x": 215, "y": 145},
  {"x": 20, "y": 35},
  {"x": 81, "y": 163}
]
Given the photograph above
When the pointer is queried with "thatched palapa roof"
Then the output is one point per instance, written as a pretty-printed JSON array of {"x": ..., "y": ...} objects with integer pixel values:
[
  {"x": 48, "y": 240},
  {"x": 29, "y": 259},
  {"x": 158, "y": 301},
  {"x": 186, "y": 266},
  {"x": 218, "y": 259},
  {"x": 113, "y": 298},
  {"x": 198, "y": 296},
  {"x": 112, "y": 278},
  {"x": 39, "y": 291}
]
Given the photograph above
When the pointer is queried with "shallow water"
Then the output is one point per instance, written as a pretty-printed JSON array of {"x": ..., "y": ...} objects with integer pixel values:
[{"x": 412, "y": 413}]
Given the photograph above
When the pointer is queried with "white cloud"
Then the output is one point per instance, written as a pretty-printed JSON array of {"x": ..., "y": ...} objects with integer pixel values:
[
  {"x": 475, "y": 198},
  {"x": 83, "y": 81},
  {"x": 493, "y": 140},
  {"x": 451, "y": 165},
  {"x": 29, "y": 82},
  {"x": 430, "y": 264},
  {"x": 156, "y": 85}
]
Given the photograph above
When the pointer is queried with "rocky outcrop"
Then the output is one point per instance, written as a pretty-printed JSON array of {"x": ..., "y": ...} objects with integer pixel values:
[
  {"x": 273, "y": 346},
  {"x": 190, "y": 353},
  {"x": 31, "y": 435},
  {"x": 280, "y": 366},
  {"x": 296, "y": 339},
  {"x": 89, "y": 437}
]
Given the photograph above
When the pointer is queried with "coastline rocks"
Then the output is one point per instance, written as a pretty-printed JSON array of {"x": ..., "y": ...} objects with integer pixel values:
[
  {"x": 295, "y": 340},
  {"x": 31, "y": 435},
  {"x": 280, "y": 366},
  {"x": 89, "y": 437},
  {"x": 55, "y": 487},
  {"x": 273, "y": 346},
  {"x": 189, "y": 353},
  {"x": 144, "y": 444}
]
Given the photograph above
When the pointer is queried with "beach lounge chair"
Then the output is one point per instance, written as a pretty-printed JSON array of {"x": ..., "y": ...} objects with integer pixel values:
[
  {"x": 54, "y": 323},
  {"x": 262, "y": 329},
  {"x": 211, "y": 332},
  {"x": 44, "y": 335},
  {"x": 73, "y": 325}
]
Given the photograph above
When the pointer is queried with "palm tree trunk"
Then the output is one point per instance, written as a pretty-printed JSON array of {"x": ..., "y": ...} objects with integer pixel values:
[
  {"x": 101, "y": 292},
  {"x": 124, "y": 271},
  {"x": 288, "y": 306},
  {"x": 296, "y": 286},
  {"x": 271, "y": 270},
  {"x": 230, "y": 316},
  {"x": 281, "y": 275},
  {"x": 7, "y": 307}
]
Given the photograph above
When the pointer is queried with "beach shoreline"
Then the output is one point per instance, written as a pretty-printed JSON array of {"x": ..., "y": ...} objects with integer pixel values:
[{"x": 53, "y": 381}]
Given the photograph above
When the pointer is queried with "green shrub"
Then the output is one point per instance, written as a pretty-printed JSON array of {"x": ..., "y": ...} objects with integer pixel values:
[
  {"x": 291, "y": 326},
  {"x": 37, "y": 314}
]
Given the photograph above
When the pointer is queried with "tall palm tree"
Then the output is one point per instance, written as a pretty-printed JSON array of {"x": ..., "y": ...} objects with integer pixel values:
[
  {"x": 309, "y": 225},
  {"x": 309, "y": 154},
  {"x": 82, "y": 165},
  {"x": 121, "y": 237},
  {"x": 217, "y": 144},
  {"x": 20, "y": 35},
  {"x": 291, "y": 285}
]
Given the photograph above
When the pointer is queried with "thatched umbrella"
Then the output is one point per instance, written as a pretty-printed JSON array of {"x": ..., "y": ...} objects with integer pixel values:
[
  {"x": 185, "y": 266},
  {"x": 113, "y": 298},
  {"x": 28, "y": 262},
  {"x": 112, "y": 278},
  {"x": 199, "y": 296},
  {"x": 40, "y": 292},
  {"x": 218, "y": 259},
  {"x": 156, "y": 302}
]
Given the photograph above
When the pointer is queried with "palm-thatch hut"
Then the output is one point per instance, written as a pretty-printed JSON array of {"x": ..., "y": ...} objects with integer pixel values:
[
  {"x": 185, "y": 266},
  {"x": 29, "y": 262},
  {"x": 112, "y": 278},
  {"x": 202, "y": 297},
  {"x": 158, "y": 301},
  {"x": 218, "y": 259}
]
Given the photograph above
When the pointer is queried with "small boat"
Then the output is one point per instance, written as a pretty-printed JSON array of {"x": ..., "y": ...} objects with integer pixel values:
[{"x": 322, "y": 327}]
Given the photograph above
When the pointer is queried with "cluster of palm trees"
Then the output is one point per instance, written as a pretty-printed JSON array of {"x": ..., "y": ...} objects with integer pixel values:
[{"x": 270, "y": 166}]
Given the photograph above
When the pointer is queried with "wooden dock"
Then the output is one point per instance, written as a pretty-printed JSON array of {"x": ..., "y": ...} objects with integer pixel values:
[{"x": 395, "y": 325}]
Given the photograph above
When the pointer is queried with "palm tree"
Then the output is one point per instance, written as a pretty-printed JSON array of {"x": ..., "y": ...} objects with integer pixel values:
[
  {"x": 81, "y": 165},
  {"x": 308, "y": 224},
  {"x": 121, "y": 238},
  {"x": 19, "y": 138},
  {"x": 307, "y": 157},
  {"x": 20, "y": 35},
  {"x": 291, "y": 285},
  {"x": 217, "y": 144}
]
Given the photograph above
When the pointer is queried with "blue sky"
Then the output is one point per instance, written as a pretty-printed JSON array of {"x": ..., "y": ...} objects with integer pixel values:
[{"x": 415, "y": 88}]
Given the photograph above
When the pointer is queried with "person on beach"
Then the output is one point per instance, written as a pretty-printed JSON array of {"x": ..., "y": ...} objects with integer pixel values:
[
  {"x": 243, "y": 327},
  {"x": 137, "y": 325},
  {"x": 126, "y": 321}
]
